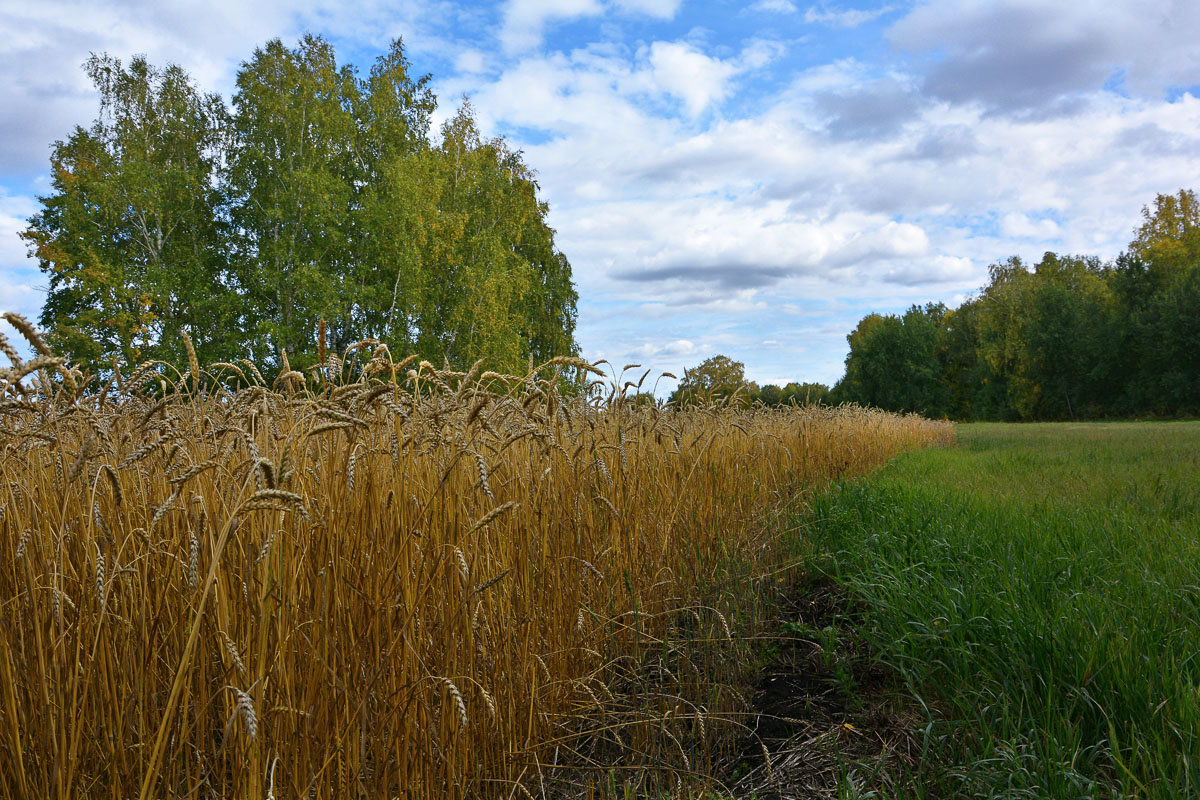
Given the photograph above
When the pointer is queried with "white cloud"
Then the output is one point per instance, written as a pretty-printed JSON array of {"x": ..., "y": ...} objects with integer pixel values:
[
  {"x": 733, "y": 220},
  {"x": 758, "y": 53},
  {"x": 776, "y": 6},
  {"x": 940, "y": 269},
  {"x": 705, "y": 233},
  {"x": 824, "y": 14},
  {"x": 525, "y": 20},
  {"x": 19, "y": 292},
  {"x": 662, "y": 9},
  {"x": 681, "y": 70},
  {"x": 45, "y": 93},
  {"x": 470, "y": 62},
  {"x": 1021, "y": 226},
  {"x": 711, "y": 186},
  {"x": 14, "y": 211},
  {"x": 678, "y": 348},
  {"x": 842, "y": 74},
  {"x": 19, "y": 277}
]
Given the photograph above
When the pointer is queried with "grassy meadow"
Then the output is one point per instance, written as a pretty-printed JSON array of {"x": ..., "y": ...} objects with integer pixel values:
[
  {"x": 1038, "y": 590},
  {"x": 383, "y": 579}
]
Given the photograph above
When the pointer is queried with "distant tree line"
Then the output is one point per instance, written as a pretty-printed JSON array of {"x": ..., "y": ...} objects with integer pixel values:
[
  {"x": 319, "y": 196},
  {"x": 1071, "y": 337},
  {"x": 720, "y": 379}
]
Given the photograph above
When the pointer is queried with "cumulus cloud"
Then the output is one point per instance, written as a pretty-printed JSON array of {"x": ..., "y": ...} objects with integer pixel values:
[
  {"x": 657, "y": 351},
  {"x": 45, "y": 93},
  {"x": 1023, "y": 226},
  {"x": 1153, "y": 140},
  {"x": 525, "y": 20},
  {"x": 849, "y": 180},
  {"x": 470, "y": 62},
  {"x": 940, "y": 269},
  {"x": 945, "y": 143},
  {"x": 14, "y": 211},
  {"x": 695, "y": 78},
  {"x": 728, "y": 275},
  {"x": 725, "y": 247}
]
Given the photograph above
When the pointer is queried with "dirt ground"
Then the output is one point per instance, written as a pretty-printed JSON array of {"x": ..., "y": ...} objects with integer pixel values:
[
  {"x": 823, "y": 716},
  {"x": 826, "y": 714}
]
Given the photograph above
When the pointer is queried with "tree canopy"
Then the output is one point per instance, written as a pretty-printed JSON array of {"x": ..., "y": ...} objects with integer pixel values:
[
  {"x": 317, "y": 197},
  {"x": 716, "y": 379},
  {"x": 1069, "y": 337},
  {"x": 720, "y": 379}
]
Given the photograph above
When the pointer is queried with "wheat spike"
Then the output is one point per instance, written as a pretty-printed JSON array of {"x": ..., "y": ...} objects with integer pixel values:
[
  {"x": 100, "y": 586},
  {"x": 608, "y": 504},
  {"x": 492, "y": 582},
  {"x": 353, "y": 461},
  {"x": 101, "y": 522},
  {"x": 266, "y": 548},
  {"x": 603, "y": 468},
  {"x": 493, "y": 514},
  {"x": 6, "y": 347},
  {"x": 724, "y": 624},
  {"x": 192, "y": 568},
  {"x": 268, "y": 472},
  {"x": 191, "y": 472},
  {"x": 488, "y": 701},
  {"x": 231, "y": 648},
  {"x": 193, "y": 362},
  {"x": 29, "y": 332},
  {"x": 463, "y": 569},
  {"x": 592, "y": 568},
  {"x": 22, "y": 542},
  {"x": 457, "y": 697},
  {"x": 281, "y": 495},
  {"x": 245, "y": 709},
  {"x": 162, "y": 510},
  {"x": 115, "y": 483}
]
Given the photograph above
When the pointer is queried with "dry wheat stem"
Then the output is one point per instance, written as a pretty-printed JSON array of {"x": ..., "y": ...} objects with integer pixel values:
[{"x": 481, "y": 549}]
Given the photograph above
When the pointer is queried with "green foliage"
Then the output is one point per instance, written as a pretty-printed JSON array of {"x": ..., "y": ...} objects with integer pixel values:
[
  {"x": 1036, "y": 588},
  {"x": 1168, "y": 240},
  {"x": 293, "y": 169},
  {"x": 1070, "y": 337},
  {"x": 131, "y": 237},
  {"x": 716, "y": 379},
  {"x": 800, "y": 394},
  {"x": 893, "y": 362},
  {"x": 319, "y": 198},
  {"x": 1044, "y": 334},
  {"x": 470, "y": 265}
]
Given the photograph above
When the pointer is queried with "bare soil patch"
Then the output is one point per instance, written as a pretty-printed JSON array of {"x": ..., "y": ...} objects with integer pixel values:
[{"x": 825, "y": 711}]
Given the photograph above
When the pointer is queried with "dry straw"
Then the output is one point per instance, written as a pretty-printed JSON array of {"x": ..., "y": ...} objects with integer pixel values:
[{"x": 502, "y": 543}]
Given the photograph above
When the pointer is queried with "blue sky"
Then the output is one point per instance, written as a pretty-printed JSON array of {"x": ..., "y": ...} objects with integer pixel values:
[{"x": 739, "y": 178}]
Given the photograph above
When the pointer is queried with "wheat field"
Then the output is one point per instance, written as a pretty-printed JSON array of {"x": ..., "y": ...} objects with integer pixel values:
[{"x": 384, "y": 579}]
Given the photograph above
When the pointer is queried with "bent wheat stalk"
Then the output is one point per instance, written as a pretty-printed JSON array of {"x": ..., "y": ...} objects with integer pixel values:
[{"x": 160, "y": 739}]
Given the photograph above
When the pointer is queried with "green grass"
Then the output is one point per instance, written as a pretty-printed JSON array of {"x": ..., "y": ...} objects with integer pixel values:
[{"x": 1038, "y": 588}]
